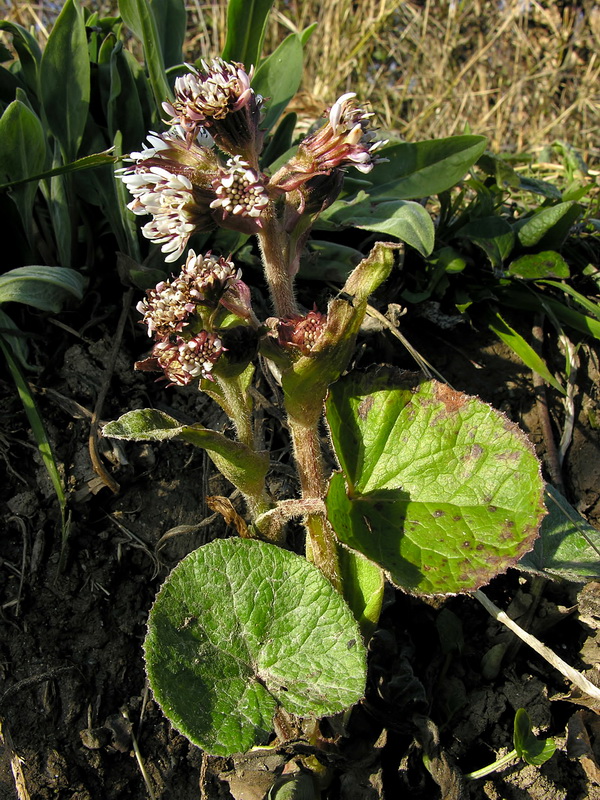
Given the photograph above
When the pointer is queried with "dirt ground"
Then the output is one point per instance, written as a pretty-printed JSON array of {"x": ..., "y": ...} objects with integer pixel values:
[{"x": 78, "y": 722}]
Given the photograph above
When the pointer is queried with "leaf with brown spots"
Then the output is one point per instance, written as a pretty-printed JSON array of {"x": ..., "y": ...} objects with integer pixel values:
[{"x": 439, "y": 489}]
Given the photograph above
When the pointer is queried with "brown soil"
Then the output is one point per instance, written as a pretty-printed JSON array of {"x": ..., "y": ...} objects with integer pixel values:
[{"x": 74, "y": 705}]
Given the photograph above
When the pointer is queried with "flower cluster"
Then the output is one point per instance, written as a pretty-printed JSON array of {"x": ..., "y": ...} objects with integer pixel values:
[
  {"x": 346, "y": 140},
  {"x": 204, "y": 173},
  {"x": 300, "y": 333},
  {"x": 218, "y": 98},
  {"x": 179, "y": 179},
  {"x": 184, "y": 360},
  {"x": 175, "y": 309},
  {"x": 240, "y": 189},
  {"x": 202, "y": 281}
]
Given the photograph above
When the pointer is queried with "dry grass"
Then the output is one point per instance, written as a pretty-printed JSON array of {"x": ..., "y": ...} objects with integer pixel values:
[{"x": 522, "y": 72}]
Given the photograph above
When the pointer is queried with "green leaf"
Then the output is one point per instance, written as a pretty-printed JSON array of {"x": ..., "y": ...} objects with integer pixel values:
[
  {"x": 28, "y": 51},
  {"x": 583, "y": 301},
  {"x": 524, "y": 350},
  {"x": 568, "y": 547},
  {"x": 42, "y": 287},
  {"x": 87, "y": 162},
  {"x": 493, "y": 235},
  {"x": 16, "y": 339},
  {"x": 419, "y": 169},
  {"x": 531, "y": 749},
  {"x": 170, "y": 16},
  {"x": 123, "y": 107},
  {"x": 22, "y": 153},
  {"x": 549, "y": 227},
  {"x": 246, "y": 25},
  {"x": 65, "y": 79},
  {"x": 569, "y": 316},
  {"x": 363, "y": 583},
  {"x": 278, "y": 78},
  {"x": 241, "y": 627},
  {"x": 537, "y": 186},
  {"x": 547, "y": 264},
  {"x": 536, "y": 301},
  {"x": 328, "y": 261},
  {"x": 245, "y": 468},
  {"x": 405, "y": 220},
  {"x": 38, "y": 429},
  {"x": 60, "y": 206},
  {"x": 438, "y": 488},
  {"x": 139, "y": 17}
]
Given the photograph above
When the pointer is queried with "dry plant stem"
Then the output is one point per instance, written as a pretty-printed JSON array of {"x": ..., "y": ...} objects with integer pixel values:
[
  {"x": 322, "y": 545},
  {"x": 15, "y": 763},
  {"x": 274, "y": 245},
  {"x": 571, "y": 674}
]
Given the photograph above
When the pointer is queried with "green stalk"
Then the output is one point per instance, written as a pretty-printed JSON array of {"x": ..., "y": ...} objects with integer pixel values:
[
  {"x": 501, "y": 762},
  {"x": 235, "y": 404}
]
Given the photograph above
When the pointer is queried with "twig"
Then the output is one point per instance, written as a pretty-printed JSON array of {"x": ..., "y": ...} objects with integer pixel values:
[
  {"x": 15, "y": 763},
  {"x": 569, "y": 672},
  {"x": 424, "y": 365},
  {"x": 138, "y": 757}
]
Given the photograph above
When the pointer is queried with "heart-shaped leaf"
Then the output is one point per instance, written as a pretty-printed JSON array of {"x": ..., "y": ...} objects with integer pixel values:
[
  {"x": 438, "y": 488},
  {"x": 241, "y": 627}
]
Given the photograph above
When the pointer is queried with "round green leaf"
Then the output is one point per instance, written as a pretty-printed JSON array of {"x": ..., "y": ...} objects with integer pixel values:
[
  {"x": 241, "y": 627},
  {"x": 438, "y": 488}
]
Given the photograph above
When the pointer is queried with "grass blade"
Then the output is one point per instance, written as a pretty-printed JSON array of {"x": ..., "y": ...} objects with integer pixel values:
[
  {"x": 39, "y": 433},
  {"x": 524, "y": 350}
]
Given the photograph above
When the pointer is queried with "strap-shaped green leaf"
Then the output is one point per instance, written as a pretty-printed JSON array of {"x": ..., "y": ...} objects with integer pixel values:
[
  {"x": 419, "y": 169},
  {"x": 65, "y": 79},
  {"x": 246, "y": 25},
  {"x": 278, "y": 78},
  {"x": 22, "y": 154},
  {"x": 241, "y": 627},
  {"x": 42, "y": 287},
  {"x": 139, "y": 17},
  {"x": 171, "y": 20},
  {"x": 28, "y": 50},
  {"x": 438, "y": 488},
  {"x": 522, "y": 348}
]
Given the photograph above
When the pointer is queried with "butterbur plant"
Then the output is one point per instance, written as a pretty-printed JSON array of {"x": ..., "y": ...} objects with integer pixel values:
[{"x": 435, "y": 492}]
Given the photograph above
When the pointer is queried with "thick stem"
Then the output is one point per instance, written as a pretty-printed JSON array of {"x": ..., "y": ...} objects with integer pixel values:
[
  {"x": 274, "y": 246},
  {"x": 321, "y": 546}
]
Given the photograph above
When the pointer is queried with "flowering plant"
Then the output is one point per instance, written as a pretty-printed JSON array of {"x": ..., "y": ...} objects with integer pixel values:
[{"x": 435, "y": 491}]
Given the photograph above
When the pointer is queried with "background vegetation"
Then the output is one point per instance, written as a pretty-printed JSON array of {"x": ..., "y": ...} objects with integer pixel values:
[{"x": 521, "y": 72}]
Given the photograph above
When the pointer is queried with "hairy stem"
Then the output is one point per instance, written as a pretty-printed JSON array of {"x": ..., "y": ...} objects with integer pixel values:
[
  {"x": 321, "y": 546},
  {"x": 274, "y": 246},
  {"x": 238, "y": 409}
]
